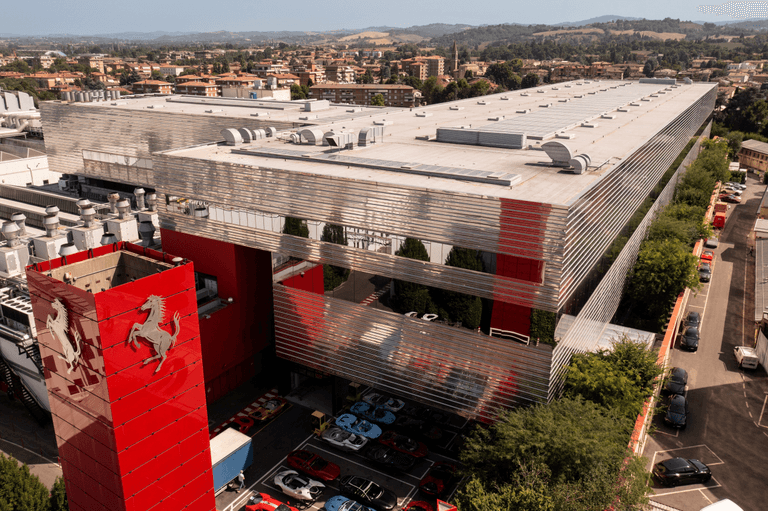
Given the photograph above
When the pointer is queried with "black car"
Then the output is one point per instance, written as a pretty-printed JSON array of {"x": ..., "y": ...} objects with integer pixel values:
[
  {"x": 677, "y": 412},
  {"x": 705, "y": 272},
  {"x": 693, "y": 319},
  {"x": 711, "y": 243},
  {"x": 678, "y": 378},
  {"x": 390, "y": 458},
  {"x": 690, "y": 339},
  {"x": 678, "y": 471},
  {"x": 367, "y": 492}
]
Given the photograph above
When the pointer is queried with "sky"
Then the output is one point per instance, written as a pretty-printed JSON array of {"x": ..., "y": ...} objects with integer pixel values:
[{"x": 89, "y": 17}]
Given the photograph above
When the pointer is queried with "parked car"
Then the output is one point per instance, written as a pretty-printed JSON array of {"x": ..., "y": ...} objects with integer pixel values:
[
  {"x": 404, "y": 444},
  {"x": 263, "y": 502},
  {"x": 418, "y": 428},
  {"x": 373, "y": 413},
  {"x": 367, "y": 492},
  {"x": 705, "y": 272},
  {"x": 341, "y": 503},
  {"x": 711, "y": 243},
  {"x": 733, "y": 191},
  {"x": 344, "y": 440},
  {"x": 269, "y": 410},
  {"x": 358, "y": 426},
  {"x": 677, "y": 412},
  {"x": 390, "y": 458},
  {"x": 690, "y": 339},
  {"x": 298, "y": 487},
  {"x": 429, "y": 415},
  {"x": 677, "y": 471},
  {"x": 419, "y": 505},
  {"x": 707, "y": 256},
  {"x": 693, "y": 319},
  {"x": 729, "y": 197},
  {"x": 389, "y": 403},
  {"x": 746, "y": 357},
  {"x": 439, "y": 479},
  {"x": 738, "y": 186},
  {"x": 678, "y": 379},
  {"x": 313, "y": 465}
]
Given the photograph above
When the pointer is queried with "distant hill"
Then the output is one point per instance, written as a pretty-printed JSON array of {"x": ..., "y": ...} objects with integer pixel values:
[{"x": 600, "y": 19}]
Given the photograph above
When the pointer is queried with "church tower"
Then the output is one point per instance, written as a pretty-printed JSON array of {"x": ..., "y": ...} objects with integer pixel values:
[{"x": 455, "y": 63}]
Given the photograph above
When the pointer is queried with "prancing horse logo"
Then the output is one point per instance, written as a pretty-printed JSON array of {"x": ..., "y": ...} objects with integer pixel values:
[
  {"x": 58, "y": 328},
  {"x": 150, "y": 330}
]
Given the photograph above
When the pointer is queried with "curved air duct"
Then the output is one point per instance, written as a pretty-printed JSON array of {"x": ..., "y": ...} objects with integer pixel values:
[{"x": 16, "y": 122}]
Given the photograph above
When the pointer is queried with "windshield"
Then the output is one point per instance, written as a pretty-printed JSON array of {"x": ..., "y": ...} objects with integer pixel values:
[{"x": 319, "y": 464}]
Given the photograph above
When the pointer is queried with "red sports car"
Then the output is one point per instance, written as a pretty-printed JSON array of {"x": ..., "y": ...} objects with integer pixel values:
[
  {"x": 263, "y": 502},
  {"x": 269, "y": 409},
  {"x": 419, "y": 505},
  {"x": 707, "y": 256},
  {"x": 404, "y": 444},
  {"x": 727, "y": 197},
  {"x": 313, "y": 465},
  {"x": 439, "y": 479}
]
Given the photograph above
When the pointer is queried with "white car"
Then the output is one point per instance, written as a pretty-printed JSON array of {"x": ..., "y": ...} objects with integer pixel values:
[
  {"x": 734, "y": 191},
  {"x": 297, "y": 486},
  {"x": 737, "y": 186},
  {"x": 388, "y": 403},
  {"x": 344, "y": 440}
]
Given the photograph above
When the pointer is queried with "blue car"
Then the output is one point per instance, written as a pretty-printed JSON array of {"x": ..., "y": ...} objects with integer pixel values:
[
  {"x": 341, "y": 503},
  {"x": 358, "y": 426},
  {"x": 373, "y": 414}
]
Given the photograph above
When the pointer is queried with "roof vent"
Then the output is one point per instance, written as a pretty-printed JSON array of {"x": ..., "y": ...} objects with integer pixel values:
[
  {"x": 560, "y": 153},
  {"x": 271, "y": 132},
  {"x": 147, "y": 233},
  {"x": 232, "y": 136},
  {"x": 51, "y": 223},
  {"x": 108, "y": 238},
  {"x": 87, "y": 215},
  {"x": 152, "y": 201},
  {"x": 580, "y": 162},
  {"x": 139, "y": 193},
  {"x": 19, "y": 219},
  {"x": 123, "y": 207},
  {"x": 246, "y": 134},
  {"x": 67, "y": 249},
  {"x": 200, "y": 212},
  {"x": 112, "y": 198},
  {"x": 11, "y": 233}
]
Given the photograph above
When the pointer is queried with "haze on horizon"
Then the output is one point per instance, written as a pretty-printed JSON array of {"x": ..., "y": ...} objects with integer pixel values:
[{"x": 89, "y": 17}]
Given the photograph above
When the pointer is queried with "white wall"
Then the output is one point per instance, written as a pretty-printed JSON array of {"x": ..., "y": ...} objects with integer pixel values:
[{"x": 23, "y": 171}]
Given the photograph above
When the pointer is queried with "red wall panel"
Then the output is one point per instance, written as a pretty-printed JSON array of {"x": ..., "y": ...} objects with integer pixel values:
[
  {"x": 245, "y": 275},
  {"x": 122, "y": 422},
  {"x": 307, "y": 280}
]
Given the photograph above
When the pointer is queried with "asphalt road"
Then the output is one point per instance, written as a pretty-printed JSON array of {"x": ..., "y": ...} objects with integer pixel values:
[{"x": 728, "y": 423}]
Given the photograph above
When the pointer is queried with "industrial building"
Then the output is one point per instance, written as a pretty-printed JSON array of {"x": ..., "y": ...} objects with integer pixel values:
[{"x": 539, "y": 182}]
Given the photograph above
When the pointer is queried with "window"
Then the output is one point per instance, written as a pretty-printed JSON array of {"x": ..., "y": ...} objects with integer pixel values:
[{"x": 206, "y": 287}]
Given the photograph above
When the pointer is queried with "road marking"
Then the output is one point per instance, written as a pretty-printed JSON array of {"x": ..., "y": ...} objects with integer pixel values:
[
  {"x": 704, "y": 495},
  {"x": 721, "y": 462},
  {"x": 695, "y": 307},
  {"x": 367, "y": 467},
  {"x": 760, "y": 419},
  {"x": 33, "y": 452},
  {"x": 408, "y": 498},
  {"x": 717, "y": 485}
]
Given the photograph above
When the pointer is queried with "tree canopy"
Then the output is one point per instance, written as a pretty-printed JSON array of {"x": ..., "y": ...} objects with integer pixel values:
[{"x": 19, "y": 489}]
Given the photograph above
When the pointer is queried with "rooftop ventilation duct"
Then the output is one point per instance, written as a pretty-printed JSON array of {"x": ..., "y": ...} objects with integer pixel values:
[
  {"x": 152, "y": 201},
  {"x": 108, "y": 238},
  {"x": 370, "y": 135},
  {"x": 580, "y": 162},
  {"x": 51, "y": 224},
  {"x": 67, "y": 249},
  {"x": 200, "y": 212},
  {"x": 232, "y": 136},
  {"x": 271, "y": 132},
  {"x": 51, "y": 210},
  {"x": 312, "y": 136},
  {"x": 82, "y": 204},
  {"x": 147, "y": 233},
  {"x": 139, "y": 194},
  {"x": 11, "y": 233},
  {"x": 338, "y": 140},
  {"x": 246, "y": 134},
  {"x": 19, "y": 219},
  {"x": 88, "y": 215},
  {"x": 113, "y": 198},
  {"x": 123, "y": 208},
  {"x": 560, "y": 153}
]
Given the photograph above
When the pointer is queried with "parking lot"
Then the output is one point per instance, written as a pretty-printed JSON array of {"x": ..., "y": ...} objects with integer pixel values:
[
  {"x": 726, "y": 426},
  {"x": 292, "y": 431}
]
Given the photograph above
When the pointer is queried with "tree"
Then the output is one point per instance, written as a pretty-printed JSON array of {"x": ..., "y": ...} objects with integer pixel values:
[
  {"x": 295, "y": 227},
  {"x": 59, "y": 496},
  {"x": 453, "y": 306},
  {"x": 543, "y": 325},
  {"x": 386, "y": 73},
  {"x": 334, "y": 276},
  {"x": 129, "y": 77},
  {"x": 19, "y": 489},
  {"x": 410, "y": 296},
  {"x": 297, "y": 92},
  {"x": 503, "y": 74},
  {"x": 377, "y": 100},
  {"x": 413, "y": 81},
  {"x": 530, "y": 80},
  {"x": 663, "y": 269},
  {"x": 650, "y": 67}
]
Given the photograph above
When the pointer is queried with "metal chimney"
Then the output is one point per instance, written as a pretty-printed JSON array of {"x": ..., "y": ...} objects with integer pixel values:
[
  {"x": 147, "y": 233},
  {"x": 19, "y": 218},
  {"x": 113, "y": 198},
  {"x": 68, "y": 249},
  {"x": 152, "y": 201},
  {"x": 51, "y": 225},
  {"x": 108, "y": 238},
  {"x": 123, "y": 208},
  {"x": 139, "y": 193},
  {"x": 87, "y": 215},
  {"x": 11, "y": 233},
  {"x": 82, "y": 204}
]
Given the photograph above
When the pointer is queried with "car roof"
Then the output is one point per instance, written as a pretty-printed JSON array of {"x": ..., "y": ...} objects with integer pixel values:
[
  {"x": 676, "y": 463},
  {"x": 693, "y": 314},
  {"x": 678, "y": 371}
]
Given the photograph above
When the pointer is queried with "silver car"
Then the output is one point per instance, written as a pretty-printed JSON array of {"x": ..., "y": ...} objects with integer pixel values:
[
  {"x": 298, "y": 486},
  {"x": 344, "y": 440}
]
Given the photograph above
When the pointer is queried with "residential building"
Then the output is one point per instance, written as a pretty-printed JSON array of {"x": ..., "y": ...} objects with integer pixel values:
[
  {"x": 339, "y": 73},
  {"x": 92, "y": 60},
  {"x": 362, "y": 94},
  {"x": 198, "y": 89},
  {"x": 754, "y": 155},
  {"x": 152, "y": 87},
  {"x": 172, "y": 70}
]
